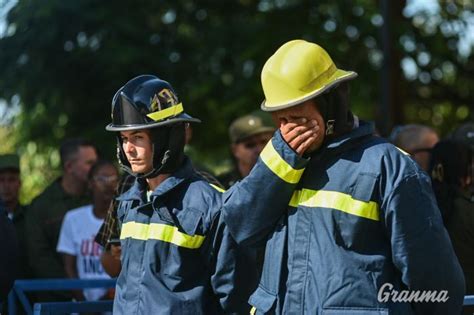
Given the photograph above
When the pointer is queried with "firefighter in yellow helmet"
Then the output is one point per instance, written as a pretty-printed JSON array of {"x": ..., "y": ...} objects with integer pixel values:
[{"x": 362, "y": 232}]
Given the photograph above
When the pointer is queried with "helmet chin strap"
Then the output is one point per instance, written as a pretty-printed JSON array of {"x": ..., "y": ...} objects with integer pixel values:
[{"x": 156, "y": 172}]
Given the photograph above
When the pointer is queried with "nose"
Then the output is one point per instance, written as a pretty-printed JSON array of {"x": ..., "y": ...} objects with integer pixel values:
[{"x": 128, "y": 147}]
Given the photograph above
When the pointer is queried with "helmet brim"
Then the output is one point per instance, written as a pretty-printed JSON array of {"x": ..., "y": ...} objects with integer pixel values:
[
  {"x": 338, "y": 77},
  {"x": 180, "y": 118}
]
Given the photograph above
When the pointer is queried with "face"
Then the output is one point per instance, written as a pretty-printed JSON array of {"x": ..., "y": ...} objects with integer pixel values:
[
  {"x": 422, "y": 154},
  {"x": 308, "y": 110},
  {"x": 138, "y": 148},
  {"x": 10, "y": 184},
  {"x": 247, "y": 151},
  {"x": 81, "y": 164},
  {"x": 104, "y": 182}
]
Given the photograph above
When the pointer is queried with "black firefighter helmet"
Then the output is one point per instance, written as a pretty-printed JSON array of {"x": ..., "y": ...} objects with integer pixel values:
[{"x": 147, "y": 102}]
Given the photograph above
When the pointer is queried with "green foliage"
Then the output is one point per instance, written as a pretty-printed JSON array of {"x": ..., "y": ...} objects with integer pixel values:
[{"x": 63, "y": 61}]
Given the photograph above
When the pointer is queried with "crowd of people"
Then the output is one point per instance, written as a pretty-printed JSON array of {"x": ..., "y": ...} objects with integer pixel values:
[{"x": 317, "y": 212}]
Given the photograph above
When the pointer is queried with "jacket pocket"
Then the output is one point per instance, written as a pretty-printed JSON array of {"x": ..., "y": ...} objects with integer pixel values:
[
  {"x": 262, "y": 300},
  {"x": 354, "y": 311},
  {"x": 191, "y": 222},
  {"x": 355, "y": 228},
  {"x": 364, "y": 187}
]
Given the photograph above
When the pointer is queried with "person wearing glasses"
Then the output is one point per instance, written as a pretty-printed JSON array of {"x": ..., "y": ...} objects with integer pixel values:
[
  {"x": 248, "y": 135},
  {"x": 81, "y": 255}
]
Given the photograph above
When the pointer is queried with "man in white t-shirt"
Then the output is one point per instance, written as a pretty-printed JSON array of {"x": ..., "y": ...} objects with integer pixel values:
[{"x": 80, "y": 226}]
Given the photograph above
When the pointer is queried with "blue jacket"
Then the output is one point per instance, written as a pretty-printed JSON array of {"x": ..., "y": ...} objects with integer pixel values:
[
  {"x": 177, "y": 254},
  {"x": 362, "y": 223}
]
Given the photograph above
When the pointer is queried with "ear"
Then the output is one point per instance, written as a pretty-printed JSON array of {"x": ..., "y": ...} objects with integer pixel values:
[
  {"x": 233, "y": 148},
  {"x": 438, "y": 172},
  {"x": 68, "y": 166}
]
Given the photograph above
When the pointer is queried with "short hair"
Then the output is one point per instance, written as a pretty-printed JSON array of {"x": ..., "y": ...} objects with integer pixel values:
[
  {"x": 70, "y": 147},
  {"x": 410, "y": 136}
]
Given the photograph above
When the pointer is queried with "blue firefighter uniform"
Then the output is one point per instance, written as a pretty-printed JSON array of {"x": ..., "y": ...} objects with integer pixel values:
[
  {"x": 363, "y": 215},
  {"x": 177, "y": 254}
]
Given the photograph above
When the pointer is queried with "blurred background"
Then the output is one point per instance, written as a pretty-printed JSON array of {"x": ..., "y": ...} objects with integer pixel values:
[{"x": 62, "y": 61}]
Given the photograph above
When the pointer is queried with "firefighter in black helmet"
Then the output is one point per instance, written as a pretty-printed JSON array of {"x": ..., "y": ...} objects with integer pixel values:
[
  {"x": 177, "y": 254},
  {"x": 147, "y": 102}
]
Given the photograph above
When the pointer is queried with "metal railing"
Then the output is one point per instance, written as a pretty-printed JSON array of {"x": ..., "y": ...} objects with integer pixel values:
[
  {"x": 46, "y": 308},
  {"x": 18, "y": 293}
]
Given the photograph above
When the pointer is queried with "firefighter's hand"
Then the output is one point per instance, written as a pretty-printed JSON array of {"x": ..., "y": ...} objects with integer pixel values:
[
  {"x": 115, "y": 251},
  {"x": 300, "y": 134}
]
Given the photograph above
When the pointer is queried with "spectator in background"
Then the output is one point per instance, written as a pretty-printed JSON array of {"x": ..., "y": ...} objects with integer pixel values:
[
  {"x": 76, "y": 240},
  {"x": 464, "y": 133},
  {"x": 10, "y": 184},
  {"x": 10, "y": 254},
  {"x": 451, "y": 171},
  {"x": 417, "y": 140},
  {"x": 46, "y": 213},
  {"x": 248, "y": 135}
]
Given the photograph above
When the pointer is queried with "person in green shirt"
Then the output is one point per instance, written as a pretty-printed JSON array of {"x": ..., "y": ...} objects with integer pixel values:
[{"x": 44, "y": 218}]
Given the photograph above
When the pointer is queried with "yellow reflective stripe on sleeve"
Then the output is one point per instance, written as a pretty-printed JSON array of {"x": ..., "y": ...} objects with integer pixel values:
[
  {"x": 335, "y": 200},
  {"x": 278, "y": 165},
  {"x": 167, "y": 112},
  {"x": 161, "y": 232},
  {"x": 217, "y": 188},
  {"x": 253, "y": 310}
]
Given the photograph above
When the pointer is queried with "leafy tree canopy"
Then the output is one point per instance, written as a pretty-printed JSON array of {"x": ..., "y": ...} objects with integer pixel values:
[{"x": 62, "y": 61}]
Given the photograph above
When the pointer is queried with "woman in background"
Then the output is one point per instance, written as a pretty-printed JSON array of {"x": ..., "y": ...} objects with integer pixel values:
[{"x": 80, "y": 226}]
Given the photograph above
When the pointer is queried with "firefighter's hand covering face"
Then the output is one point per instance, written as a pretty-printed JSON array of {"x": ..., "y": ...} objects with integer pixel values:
[{"x": 301, "y": 126}]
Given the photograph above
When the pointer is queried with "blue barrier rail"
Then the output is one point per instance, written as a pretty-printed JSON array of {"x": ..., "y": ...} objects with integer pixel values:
[
  {"x": 22, "y": 286},
  {"x": 468, "y": 300}
]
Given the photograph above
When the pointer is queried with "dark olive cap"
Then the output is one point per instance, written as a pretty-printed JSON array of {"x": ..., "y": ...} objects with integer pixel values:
[
  {"x": 9, "y": 161},
  {"x": 247, "y": 126}
]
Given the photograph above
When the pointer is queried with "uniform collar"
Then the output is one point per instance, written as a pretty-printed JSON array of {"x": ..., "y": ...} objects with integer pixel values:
[
  {"x": 364, "y": 129},
  {"x": 139, "y": 188},
  {"x": 345, "y": 141},
  {"x": 184, "y": 172}
]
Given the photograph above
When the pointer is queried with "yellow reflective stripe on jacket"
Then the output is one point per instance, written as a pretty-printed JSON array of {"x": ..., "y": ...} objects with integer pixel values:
[
  {"x": 401, "y": 150},
  {"x": 217, "y": 188},
  {"x": 167, "y": 112},
  {"x": 335, "y": 200},
  {"x": 162, "y": 232},
  {"x": 278, "y": 165}
]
